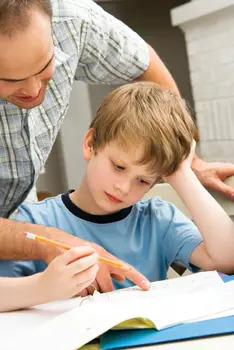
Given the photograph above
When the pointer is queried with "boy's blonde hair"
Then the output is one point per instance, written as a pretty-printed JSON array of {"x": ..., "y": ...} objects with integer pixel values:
[{"x": 144, "y": 114}]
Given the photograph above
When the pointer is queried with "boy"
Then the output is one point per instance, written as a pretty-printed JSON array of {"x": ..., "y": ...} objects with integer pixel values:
[{"x": 139, "y": 135}]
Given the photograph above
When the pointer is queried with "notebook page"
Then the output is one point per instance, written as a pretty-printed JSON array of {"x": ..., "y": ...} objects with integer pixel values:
[
  {"x": 97, "y": 314},
  {"x": 169, "y": 311},
  {"x": 187, "y": 284}
]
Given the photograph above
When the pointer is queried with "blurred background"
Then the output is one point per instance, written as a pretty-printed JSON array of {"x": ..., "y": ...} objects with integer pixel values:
[{"x": 195, "y": 39}]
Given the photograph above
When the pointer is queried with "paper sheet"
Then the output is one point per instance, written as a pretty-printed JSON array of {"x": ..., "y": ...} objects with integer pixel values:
[{"x": 168, "y": 302}]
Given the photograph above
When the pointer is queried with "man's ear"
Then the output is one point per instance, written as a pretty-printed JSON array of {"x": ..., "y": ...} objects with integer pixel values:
[{"x": 88, "y": 144}]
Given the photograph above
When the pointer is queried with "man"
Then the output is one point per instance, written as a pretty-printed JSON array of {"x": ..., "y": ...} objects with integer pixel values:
[{"x": 40, "y": 55}]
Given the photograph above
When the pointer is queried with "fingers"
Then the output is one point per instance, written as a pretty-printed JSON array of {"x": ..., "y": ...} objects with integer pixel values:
[
  {"x": 83, "y": 292},
  {"x": 226, "y": 169},
  {"x": 82, "y": 288},
  {"x": 86, "y": 276},
  {"x": 118, "y": 277},
  {"x": 83, "y": 264},
  {"x": 104, "y": 279},
  {"x": 92, "y": 287},
  {"x": 77, "y": 253},
  {"x": 221, "y": 187},
  {"x": 138, "y": 278},
  {"x": 133, "y": 275}
]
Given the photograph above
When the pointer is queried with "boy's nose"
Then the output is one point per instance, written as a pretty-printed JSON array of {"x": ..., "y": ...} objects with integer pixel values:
[{"x": 123, "y": 187}]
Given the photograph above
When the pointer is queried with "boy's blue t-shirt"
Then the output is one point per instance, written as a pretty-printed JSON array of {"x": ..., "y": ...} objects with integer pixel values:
[{"x": 149, "y": 235}]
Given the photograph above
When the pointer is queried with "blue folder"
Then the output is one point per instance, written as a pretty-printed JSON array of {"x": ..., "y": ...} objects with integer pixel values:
[{"x": 140, "y": 337}]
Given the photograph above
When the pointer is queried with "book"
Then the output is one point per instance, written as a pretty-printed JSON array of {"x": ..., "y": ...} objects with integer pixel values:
[
  {"x": 217, "y": 324},
  {"x": 70, "y": 324}
]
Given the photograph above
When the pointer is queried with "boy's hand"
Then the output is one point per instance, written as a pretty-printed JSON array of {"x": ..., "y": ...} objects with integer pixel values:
[
  {"x": 187, "y": 163},
  {"x": 184, "y": 166},
  {"x": 68, "y": 274}
]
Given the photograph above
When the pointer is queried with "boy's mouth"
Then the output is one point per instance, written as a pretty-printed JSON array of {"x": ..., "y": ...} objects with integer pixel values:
[{"x": 113, "y": 198}]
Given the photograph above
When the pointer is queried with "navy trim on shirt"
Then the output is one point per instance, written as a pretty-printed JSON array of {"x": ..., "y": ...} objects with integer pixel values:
[{"x": 98, "y": 219}]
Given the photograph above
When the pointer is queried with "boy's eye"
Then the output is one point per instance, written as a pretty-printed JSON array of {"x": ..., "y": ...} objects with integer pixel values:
[
  {"x": 143, "y": 182},
  {"x": 118, "y": 167}
]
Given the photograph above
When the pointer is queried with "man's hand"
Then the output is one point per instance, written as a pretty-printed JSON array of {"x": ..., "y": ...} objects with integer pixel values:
[
  {"x": 103, "y": 281},
  {"x": 213, "y": 175}
]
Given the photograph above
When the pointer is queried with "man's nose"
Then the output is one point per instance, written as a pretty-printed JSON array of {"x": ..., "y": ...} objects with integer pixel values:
[{"x": 32, "y": 86}]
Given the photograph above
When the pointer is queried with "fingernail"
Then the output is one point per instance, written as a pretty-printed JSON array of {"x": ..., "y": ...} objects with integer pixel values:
[{"x": 146, "y": 284}]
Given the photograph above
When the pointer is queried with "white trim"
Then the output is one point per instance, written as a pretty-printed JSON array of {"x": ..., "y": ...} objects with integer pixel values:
[{"x": 196, "y": 9}]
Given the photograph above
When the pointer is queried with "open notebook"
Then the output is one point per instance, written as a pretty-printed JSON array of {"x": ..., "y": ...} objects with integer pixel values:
[{"x": 67, "y": 325}]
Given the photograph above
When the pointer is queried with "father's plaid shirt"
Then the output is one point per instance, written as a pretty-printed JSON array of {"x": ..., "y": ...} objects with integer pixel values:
[{"x": 90, "y": 45}]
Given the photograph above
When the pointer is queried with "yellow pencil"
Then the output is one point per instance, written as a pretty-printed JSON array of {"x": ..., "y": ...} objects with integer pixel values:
[{"x": 67, "y": 247}]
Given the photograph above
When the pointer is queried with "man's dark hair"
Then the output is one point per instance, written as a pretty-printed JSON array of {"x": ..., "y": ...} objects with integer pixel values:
[{"x": 16, "y": 14}]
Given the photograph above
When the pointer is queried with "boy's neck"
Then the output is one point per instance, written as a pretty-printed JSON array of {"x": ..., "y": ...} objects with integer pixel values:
[{"x": 80, "y": 198}]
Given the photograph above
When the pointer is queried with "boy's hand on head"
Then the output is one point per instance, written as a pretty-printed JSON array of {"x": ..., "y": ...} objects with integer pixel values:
[
  {"x": 184, "y": 166},
  {"x": 189, "y": 159},
  {"x": 68, "y": 274},
  {"x": 186, "y": 163}
]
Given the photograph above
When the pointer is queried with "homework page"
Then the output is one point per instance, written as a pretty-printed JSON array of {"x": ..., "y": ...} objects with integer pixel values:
[
  {"x": 187, "y": 284},
  {"x": 184, "y": 299},
  {"x": 190, "y": 307},
  {"x": 97, "y": 314}
]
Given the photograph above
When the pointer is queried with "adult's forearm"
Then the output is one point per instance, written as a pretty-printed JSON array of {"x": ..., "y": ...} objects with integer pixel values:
[
  {"x": 158, "y": 73},
  {"x": 15, "y": 246}
]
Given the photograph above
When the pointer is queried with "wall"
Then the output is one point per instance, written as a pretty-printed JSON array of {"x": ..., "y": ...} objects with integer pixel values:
[{"x": 209, "y": 34}]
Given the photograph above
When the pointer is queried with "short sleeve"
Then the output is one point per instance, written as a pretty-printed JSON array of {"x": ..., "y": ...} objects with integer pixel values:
[
  {"x": 179, "y": 235},
  {"x": 112, "y": 53},
  {"x": 24, "y": 214}
]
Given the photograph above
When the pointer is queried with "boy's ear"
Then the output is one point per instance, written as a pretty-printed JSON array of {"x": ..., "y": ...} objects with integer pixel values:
[{"x": 88, "y": 145}]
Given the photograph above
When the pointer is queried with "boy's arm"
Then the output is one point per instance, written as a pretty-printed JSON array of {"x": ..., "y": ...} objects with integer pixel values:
[
  {"x": 65, "y": 276},
  {"x": 14, "y": 246},
  {"x": 215, "y": 226},
  {"x": 17, "y": 293}
]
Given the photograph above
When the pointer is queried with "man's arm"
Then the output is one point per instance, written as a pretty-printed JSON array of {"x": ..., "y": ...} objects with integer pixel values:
[
  {"x": 15, "y": 246},
  {"x": 158, "y": 73}
]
